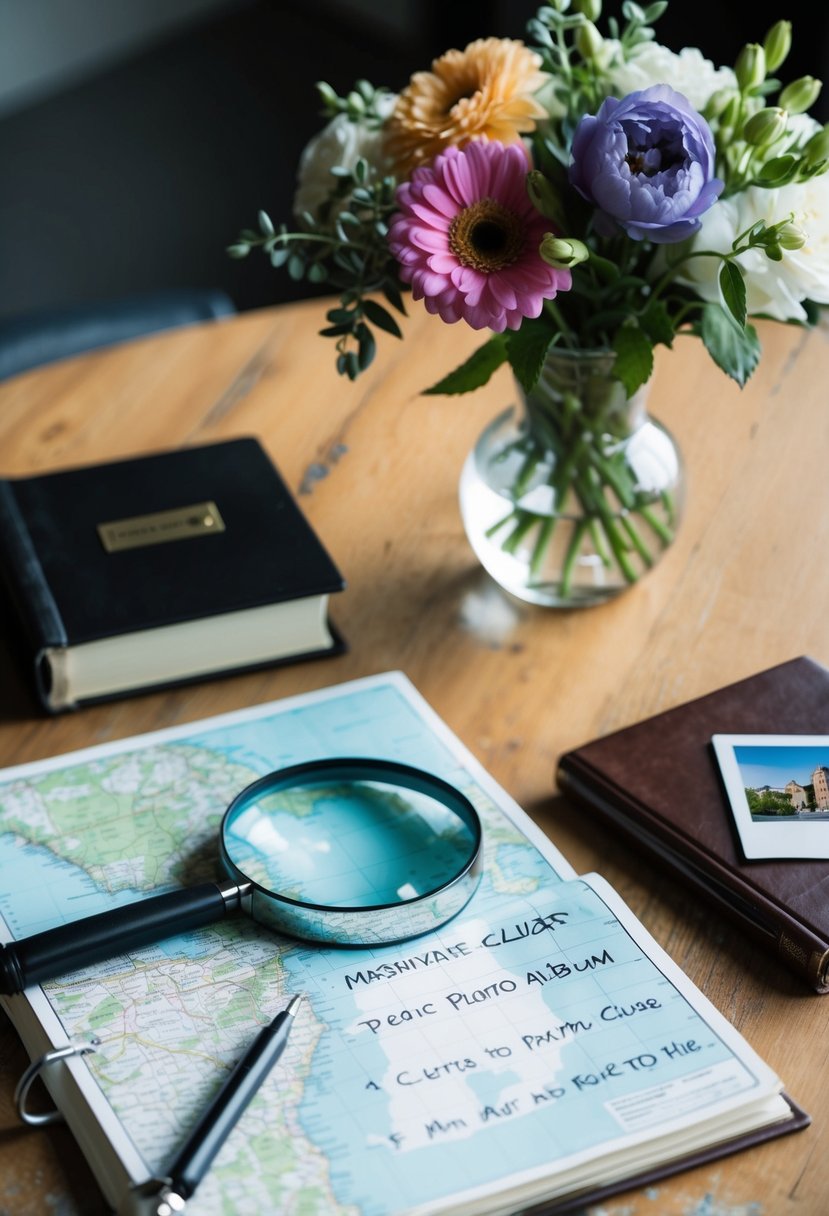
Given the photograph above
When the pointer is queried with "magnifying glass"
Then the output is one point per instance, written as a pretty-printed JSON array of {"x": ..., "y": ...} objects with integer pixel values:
[{"x": 348, "y": 852}]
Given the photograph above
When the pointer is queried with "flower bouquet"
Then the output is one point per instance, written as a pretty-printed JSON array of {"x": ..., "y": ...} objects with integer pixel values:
[{"x": 582, "y": 197}]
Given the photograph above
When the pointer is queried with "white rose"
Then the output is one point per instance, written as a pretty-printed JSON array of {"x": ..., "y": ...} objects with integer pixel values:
[
  {"x": 773, "y": 289},
  {"x": 689, "y": 73},
  {"x": 342, "y": 142},
  {"x": 799, "y": 130}
]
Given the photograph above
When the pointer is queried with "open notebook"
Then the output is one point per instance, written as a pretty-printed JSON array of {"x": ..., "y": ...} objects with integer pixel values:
[{"x": 539, "y": 1047}]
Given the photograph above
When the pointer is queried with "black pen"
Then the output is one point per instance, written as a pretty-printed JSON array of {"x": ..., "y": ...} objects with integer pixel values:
[{"x": 224, "y": 1112}]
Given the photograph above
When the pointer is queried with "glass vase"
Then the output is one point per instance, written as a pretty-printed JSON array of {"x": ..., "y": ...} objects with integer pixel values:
[{"x": 573, "y": 496}]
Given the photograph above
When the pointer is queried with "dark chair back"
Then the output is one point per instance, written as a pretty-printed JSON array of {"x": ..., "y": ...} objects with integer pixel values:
[{"x": 42, "y": 337}]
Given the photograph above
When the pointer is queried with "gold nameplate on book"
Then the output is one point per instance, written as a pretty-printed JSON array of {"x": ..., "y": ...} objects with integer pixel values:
[{"x": 200, "y": 519}]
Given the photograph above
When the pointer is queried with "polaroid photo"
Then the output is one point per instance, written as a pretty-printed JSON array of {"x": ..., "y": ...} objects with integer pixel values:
[{"x": 778, "y": 788}]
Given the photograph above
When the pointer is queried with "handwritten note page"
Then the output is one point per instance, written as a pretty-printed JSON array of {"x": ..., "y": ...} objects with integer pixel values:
[{"x": 529, "y": 1036}]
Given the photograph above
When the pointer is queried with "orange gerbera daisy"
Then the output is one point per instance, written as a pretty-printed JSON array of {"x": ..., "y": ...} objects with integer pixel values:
[{"x": 484, "y": 92}]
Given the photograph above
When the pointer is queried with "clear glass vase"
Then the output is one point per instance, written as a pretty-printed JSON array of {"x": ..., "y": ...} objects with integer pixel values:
[{"x": 572, "y": 497}]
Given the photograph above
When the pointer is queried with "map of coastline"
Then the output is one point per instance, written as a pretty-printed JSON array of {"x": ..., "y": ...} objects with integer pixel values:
[{"x": 529, "y": 1027}]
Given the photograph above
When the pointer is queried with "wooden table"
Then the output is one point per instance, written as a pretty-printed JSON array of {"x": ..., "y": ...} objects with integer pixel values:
[{"x": 376, "y": 466}]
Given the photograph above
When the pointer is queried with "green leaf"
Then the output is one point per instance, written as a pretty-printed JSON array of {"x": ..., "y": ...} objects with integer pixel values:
[
  {"x": 475, "y": 371},
  {"x": 265, "y": 224},
  {"x": 607, "y": 271},
  {"x": 634, "y": 357},
  {"x": 526, "y": 350},
  {"x": 381, "y": 317},
  {"x": 778, "y": 171},
  {"x": 657, "y": 324},
  {"x": 317, "y": 273},
  {"x": 733, "y": 288},
  {"x": 654, "y": 11},
  {"x": 633, "y": 12},
  {"x": 735, "y": 351},
  {"x": 239, "y": 250},
  {"x": 813, "y": 311}
]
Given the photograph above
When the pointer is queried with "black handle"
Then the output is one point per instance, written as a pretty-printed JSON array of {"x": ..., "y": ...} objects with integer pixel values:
[{"x": 69, "y": 947}]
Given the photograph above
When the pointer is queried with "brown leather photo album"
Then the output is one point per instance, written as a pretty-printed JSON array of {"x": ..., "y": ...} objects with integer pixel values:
[{"x": 658, "y": 782}]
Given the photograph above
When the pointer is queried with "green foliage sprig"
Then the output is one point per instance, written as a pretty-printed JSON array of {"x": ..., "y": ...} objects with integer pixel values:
[{"x": 345, "y": 247}]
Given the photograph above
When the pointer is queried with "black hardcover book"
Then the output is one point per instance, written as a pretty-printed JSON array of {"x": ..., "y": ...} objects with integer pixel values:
[{"x": 162, "y": 569}]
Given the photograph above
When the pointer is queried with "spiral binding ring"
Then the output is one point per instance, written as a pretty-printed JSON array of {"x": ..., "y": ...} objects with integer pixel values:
[{"x": 21, "y": 1093}]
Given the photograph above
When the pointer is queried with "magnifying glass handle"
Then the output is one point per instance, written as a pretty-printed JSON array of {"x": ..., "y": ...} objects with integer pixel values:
[{"x": 70, "y": 947}]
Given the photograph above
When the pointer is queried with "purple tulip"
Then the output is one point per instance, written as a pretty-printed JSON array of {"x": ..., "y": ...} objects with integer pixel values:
[{"x": 647, "y": 162}]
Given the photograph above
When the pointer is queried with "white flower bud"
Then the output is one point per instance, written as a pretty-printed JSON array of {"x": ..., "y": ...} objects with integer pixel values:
[
  {"x": 589, "y": 41},
  {"x": 800, "y": 95},
  {"x": 750, "y": 68},
  {"x": 563, "y": 252},
  {"x": 777, "y": 44},
  {"x": 765, "y": 126}
]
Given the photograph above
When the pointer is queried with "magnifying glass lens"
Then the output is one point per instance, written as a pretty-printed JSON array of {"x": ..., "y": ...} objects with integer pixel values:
[{"x": 348, "y": 844}]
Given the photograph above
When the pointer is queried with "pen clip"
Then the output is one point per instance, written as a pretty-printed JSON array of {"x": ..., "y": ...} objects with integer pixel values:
[{"x": 21, "y": 1093}]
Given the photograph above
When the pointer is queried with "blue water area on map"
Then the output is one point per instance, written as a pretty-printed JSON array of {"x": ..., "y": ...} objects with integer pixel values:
[
  {"x": 41, "y": 890},
  {"x": 323, "y": 730}
]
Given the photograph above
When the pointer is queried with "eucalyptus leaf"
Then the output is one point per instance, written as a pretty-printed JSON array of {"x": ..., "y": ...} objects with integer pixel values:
[
  {"x": 394, "y": 296},
  {"x": 381, "y": 317},
  {"x": 337, "y": 315},
  {"x": 367, "y": 347}
]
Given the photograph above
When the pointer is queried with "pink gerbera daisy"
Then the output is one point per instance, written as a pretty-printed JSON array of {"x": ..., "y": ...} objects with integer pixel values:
[{"x": 467, "y": 236}]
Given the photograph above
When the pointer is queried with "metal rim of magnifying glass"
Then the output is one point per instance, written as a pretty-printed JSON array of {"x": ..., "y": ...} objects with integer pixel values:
[{"x": 362, "y": 925}]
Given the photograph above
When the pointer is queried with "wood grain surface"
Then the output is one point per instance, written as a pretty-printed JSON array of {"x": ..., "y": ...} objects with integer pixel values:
[{"x": 375, "y": 466}]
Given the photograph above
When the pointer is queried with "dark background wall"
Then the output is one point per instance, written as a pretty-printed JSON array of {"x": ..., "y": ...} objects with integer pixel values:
[{"x": 138, "y": 172}]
